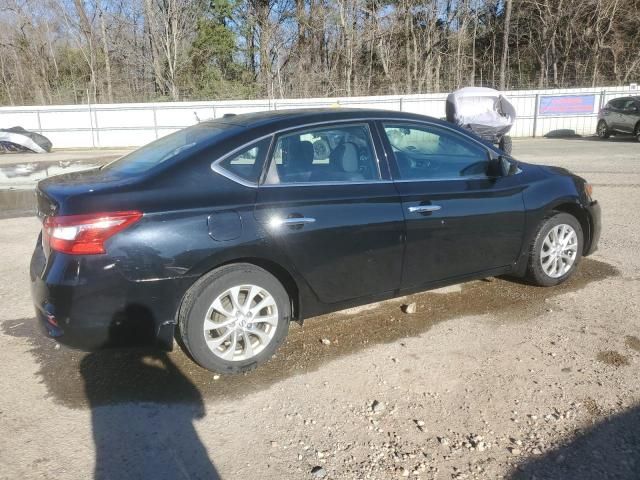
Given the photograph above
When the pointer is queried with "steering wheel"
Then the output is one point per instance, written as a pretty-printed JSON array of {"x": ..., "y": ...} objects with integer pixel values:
[{"x": 321, "y": 149}]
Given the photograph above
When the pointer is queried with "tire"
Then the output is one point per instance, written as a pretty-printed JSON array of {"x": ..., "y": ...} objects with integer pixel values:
[
  {"x": 540, "y": 251},
  {"x": 237, "y": 347},
  {"x": 506, "y": 144},
  {"x": 637, "y": 132},
  {"x": 603, "y": 130}
]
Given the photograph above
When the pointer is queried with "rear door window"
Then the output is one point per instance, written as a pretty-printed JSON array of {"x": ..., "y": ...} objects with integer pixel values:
[{"x": 340, "y": 153}]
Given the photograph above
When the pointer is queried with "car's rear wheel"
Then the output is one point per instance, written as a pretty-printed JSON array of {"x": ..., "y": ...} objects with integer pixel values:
[
  {"x": 637, "y": 132},
  {"x": 603, "y": 130},
  {"x": 234, "y": 318},
  {"x": 556, "y": 250}
]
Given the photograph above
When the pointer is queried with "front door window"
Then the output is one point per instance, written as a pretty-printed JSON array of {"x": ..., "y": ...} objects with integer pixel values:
[{"x": 433, "y": 153}]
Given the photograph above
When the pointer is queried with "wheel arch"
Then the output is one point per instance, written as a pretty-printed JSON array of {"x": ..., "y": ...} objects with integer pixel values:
[
  {"x": 282, "y": 274},
  {"x": 567, "y": 204},
  {"x": 575, "y": 210}
]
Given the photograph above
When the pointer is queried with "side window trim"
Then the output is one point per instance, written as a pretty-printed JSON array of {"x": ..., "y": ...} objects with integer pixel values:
[
  {"x": 618, "y": 103},
  {"x": 217, "y": 167},
  {"x": 395, "y": 172},
  {"x": 338, "y": 123},
  {"x": 370, "y": 123}
]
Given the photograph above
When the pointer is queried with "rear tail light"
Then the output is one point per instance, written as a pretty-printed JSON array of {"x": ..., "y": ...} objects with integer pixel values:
[{"x": 85, "y": 234}]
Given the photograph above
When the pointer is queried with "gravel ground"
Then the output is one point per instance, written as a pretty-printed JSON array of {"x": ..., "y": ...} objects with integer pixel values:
[{"x": 490, "y": 379}]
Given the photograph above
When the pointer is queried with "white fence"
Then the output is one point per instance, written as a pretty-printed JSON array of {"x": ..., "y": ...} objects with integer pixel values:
[{"x": 134, "y": 124}]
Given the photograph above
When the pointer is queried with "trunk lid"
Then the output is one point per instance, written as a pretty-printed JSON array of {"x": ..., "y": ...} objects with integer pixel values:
[{"x": 80, "y": 192}]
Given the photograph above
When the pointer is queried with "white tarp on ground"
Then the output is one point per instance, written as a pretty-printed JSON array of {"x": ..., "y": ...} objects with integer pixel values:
[
  {"x": 22, "y": 140},
  {"x": 25, "y": 140}
]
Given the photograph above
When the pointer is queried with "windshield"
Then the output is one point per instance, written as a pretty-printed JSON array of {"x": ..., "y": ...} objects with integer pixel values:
[{"x": 165, "y": 148}]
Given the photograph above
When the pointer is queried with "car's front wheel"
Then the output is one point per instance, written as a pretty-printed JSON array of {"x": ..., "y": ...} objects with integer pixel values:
[
  {"x": 556, "y": 250},
  {"x": 234, "y": 318},
  {"x": 637, "y": 132},
  {"x": 603, "y": 130}
]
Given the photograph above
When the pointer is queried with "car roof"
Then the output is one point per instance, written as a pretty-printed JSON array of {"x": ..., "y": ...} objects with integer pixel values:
[
  {"x": 243, "y": 128},
  {"x": 632, "y": 97},
  {"x": 278, "y": 119}
]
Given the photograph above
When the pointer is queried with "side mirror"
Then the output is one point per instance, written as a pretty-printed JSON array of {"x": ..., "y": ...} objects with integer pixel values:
[
  {"x": 502, "y": 166},
  {"x": 511, "y": 166}
]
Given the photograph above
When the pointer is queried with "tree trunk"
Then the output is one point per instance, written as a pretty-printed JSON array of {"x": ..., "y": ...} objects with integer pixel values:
[
  {"x": 472, "y": 75},
  {"x": 107, "y": 62},
  {"x": 505, "y": 45},
  {"x": 87, "y": 32},
  {"x": 5, "y": 82},
  {"x": 158, "y": 77}
]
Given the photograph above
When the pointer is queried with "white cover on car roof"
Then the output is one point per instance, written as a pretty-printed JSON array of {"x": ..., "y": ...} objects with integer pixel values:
[{"x": 481, "y": 106}]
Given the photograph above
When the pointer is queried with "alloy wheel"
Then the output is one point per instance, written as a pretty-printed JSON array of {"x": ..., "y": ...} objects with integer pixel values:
[
  {"x": 559, "y": 250},
  {"x": 602, "y": 130},
  {"x": 240, "y": 322}
]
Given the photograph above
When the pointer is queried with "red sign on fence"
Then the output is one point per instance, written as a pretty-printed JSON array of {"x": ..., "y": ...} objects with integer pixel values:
[{"x": 566, "y": 104}]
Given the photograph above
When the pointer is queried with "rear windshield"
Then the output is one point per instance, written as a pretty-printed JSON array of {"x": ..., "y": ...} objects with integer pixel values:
[{"x": 166, "y": 148}]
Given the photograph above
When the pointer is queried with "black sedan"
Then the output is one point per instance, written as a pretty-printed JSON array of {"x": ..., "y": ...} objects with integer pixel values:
[{"x": 222, "y": 233}]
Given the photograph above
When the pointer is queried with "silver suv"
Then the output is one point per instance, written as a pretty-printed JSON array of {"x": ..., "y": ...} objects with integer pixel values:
[{"x": 620, "y": 116}]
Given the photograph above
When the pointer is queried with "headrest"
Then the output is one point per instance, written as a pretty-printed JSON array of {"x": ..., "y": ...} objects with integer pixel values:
[
  {"x": 306, "y": 149},
  {"x": 300, "y": 155},
  {"x": 349, "y": 159}
]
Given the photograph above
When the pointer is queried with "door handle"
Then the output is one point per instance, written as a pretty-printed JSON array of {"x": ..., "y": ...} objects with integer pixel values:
[
  {"x": 290, "y": 222},
  {"x": 424, "y": 208}
]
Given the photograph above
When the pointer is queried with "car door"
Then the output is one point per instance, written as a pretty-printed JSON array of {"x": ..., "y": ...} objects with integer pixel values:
[
  {"x": 615, "y": 121},
  {"x": 608, "y": 114},
  {"x": 635, "y": 116},
  {"x": 328, "y": 205},
  {"x": 628, "y": 116},
  {"x": 459, "y": 219}
]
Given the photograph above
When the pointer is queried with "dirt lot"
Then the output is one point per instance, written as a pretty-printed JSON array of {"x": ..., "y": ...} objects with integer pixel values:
[{"x": 490, "y": 379}]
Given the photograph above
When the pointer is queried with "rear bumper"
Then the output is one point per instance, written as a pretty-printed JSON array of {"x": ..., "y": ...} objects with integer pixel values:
[
  {"x": 68, "y": 321},
  {"x": 82, "y": 305},
  {"x": 596, "y": 227}
]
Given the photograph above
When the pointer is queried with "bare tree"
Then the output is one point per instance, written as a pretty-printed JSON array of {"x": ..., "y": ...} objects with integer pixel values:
[
  {"x": 87, "y": 44},
  {"x": 107, "y": 62},
  {"x": 169, "y": 25},
  {"x": 55, "y": 51},
  {"x": 505, "y": 45}
]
